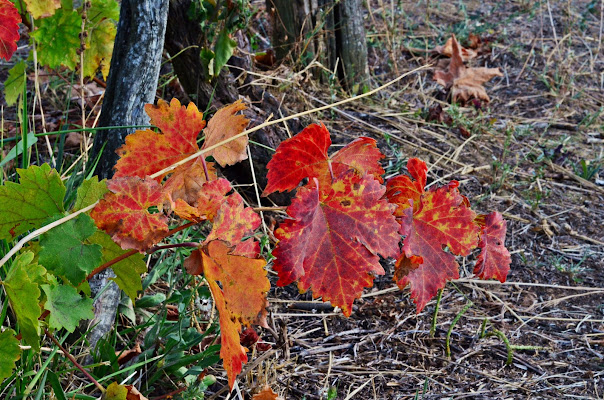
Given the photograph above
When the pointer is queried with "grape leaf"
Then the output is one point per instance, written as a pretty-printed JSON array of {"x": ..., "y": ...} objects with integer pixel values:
[
  {"x": 331, "y": 243},
  {"x": 115, "y": 391},
  {"x": 233, "y": 221},
  {"x": 442, "y": 218},
  {"x": 28, "y": 204},
  {"x": 15, "y": 83},
  {"x": 241, "y": 301},
  {"x": 465, "y": 83},
  {"x": 400, "y": 189},
  {"x": 89, "y": 192},
  {"x": 494, "y": 260},
  {"x": 305, "y": 156},
  {"x": 9, "y": 29},
  {"x": 42, "y": 8},
  {"x": 57, "y": 39},
  {"x": 22, "y": 288},
  {"x": 9, "y": 353},
  {"x": 124, "y": 214},
  {"x": 102, "y": 16},
  {"x": 66, "y": 307},
  {"x": 225, "y": 124},
  {"x": 179, "y": 127},
  {"x": 65, "y": 253},
  {"x": 128, "y": 271},
  {"x": 186, "y": 182}
]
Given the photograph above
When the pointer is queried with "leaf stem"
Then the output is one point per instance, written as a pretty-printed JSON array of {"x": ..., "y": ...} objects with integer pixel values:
[
  {"x": 73, "y": 360},
  {"x": 205, "y": 168}
]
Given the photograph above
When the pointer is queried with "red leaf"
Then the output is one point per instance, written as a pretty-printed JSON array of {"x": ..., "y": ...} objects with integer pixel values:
[
  {"x": 123, "y": 213},
  {"x": 305, "y": 156},
  {"x": 210, "y": 197},
  {"x": 240, "y": 301},
  {"x": 400, "y": 189},
  {"x": 234, "y": 221},
  {"x": 494, "y": 260},
  {"x": 147, "y": 152},
  {"x": 9, "y": 29},
  {"x": 442, "y": 218},
  {"x": 331, "y": 243}
]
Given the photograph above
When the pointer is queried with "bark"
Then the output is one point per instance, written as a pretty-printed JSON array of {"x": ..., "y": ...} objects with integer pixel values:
[
  {"x": 133, "y": 76},
  {"x": 329, "y": 30},
  {"x": 132, "y": 83}
]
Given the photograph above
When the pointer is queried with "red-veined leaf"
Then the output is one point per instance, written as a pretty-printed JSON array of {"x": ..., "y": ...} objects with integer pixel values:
[
  {"x": 9, "y": 29},
  {"x": 234, "y": 221},
  {"x": 124, "y": 214},
  {"x": 331, "y": 243},
  {"x": 401, "y": 188},
  {"x": 494, "y": 260}
]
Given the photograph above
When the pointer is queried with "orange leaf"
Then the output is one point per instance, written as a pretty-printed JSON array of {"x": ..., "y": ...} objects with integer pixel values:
[
  {"x": 266, "y": 394},
  {"x": 494, "y": 260},
  {"x": 123, "y": 213},
  {"x": 233, "y": 221},
  {"x": 147, "y": 152},
  {"x": 331, "y": 243},
  {"x": 186, "y": 182},
  {"x": 240, "y": 301},
  {"x": 210, "y": 198},
  {"x": 9, "y": 29},
  {"x": 465, "y": 83},
  {"x": 224, "y": 125},
  {"x": 441, "y": 219},
  {"x": 400, "y": 189},
  {"x": 305, "y": 156},
  {"x": 447, "y": 50}
]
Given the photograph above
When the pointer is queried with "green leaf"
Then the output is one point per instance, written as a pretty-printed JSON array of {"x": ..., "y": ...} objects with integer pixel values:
[
  {"x": 9, "y": 353},
  {"x": 66, "y": 307},
  {"x": 102, "y": 17},
  {"x": 115, "y": 391},
  {"x": 23, "y": 291},
  {"x": 89, "y": 192},
  {"x": 18, "y": 149},
  {"x": 28, "y": 204},
  {"x": 58, "y": 39},
  {"x": 15, "y": 83},
  {"x": 128, "y": 271},
  {"x": 65, "y": 253},
  {"x": 225, "y": 46}
]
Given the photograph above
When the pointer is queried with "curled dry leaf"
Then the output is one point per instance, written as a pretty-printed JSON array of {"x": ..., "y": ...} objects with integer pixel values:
[
  {"x": 267, "y": 394},
  {"x": 465, "y": 83},
  {"x": 447, "y": 50}
]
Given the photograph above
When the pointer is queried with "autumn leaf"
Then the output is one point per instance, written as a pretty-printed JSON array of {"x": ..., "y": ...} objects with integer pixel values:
[
  {"x": 42, "y": 8},
  {"x": 124, "y": 214},
  {"x": 187, "y": 181},
  {"x": 9, "y": 29},
  {"x": 28, "y": 204},
  {"x": 9, "y": 353},
  {"x": 179, "y": 126},
  {"x": 115, "y": 391},
  {"x": 331, "y": 242},
  {"x": 465, "y": 83},
  {"x": 240, "y": 298},
  {"x": 266, "y": 394},
  {"x": 305, "y": 156},
  {"x": 225, "y": 124},
  {"x": 447, "y": 50},
  {"x": 233, "y": 221},
  {"x": 101, "y": 30},
  {"x": 442, "y": 218},
  {"x": 400, "y": 189},
  {"x": 209, "y": 200},
  {"x": 57, "y": 39},
  {"x": 494, "y": 260}
]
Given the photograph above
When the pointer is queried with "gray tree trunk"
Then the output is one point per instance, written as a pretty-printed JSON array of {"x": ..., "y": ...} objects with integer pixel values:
[
  {"x": 133, "y": 75},
  {"x": 333, "y": 31},
  {"x": 132, "y": 83}
]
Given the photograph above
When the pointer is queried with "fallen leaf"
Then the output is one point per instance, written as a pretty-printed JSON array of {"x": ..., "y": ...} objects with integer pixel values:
[
  {"x": 465, "y": 83},
  {"x": 447, "y": 50},
  {"x": 266, "y": 394},
  {"x": 494, "y": 260}
]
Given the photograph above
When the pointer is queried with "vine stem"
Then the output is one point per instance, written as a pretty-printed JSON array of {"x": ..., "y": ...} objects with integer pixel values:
[
  {"x": 73, "y": 360},
  {"x": 117, "y": 259}
]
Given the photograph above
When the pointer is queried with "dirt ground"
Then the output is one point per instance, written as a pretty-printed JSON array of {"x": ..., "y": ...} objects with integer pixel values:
[{"x": 521, "y": 155}]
